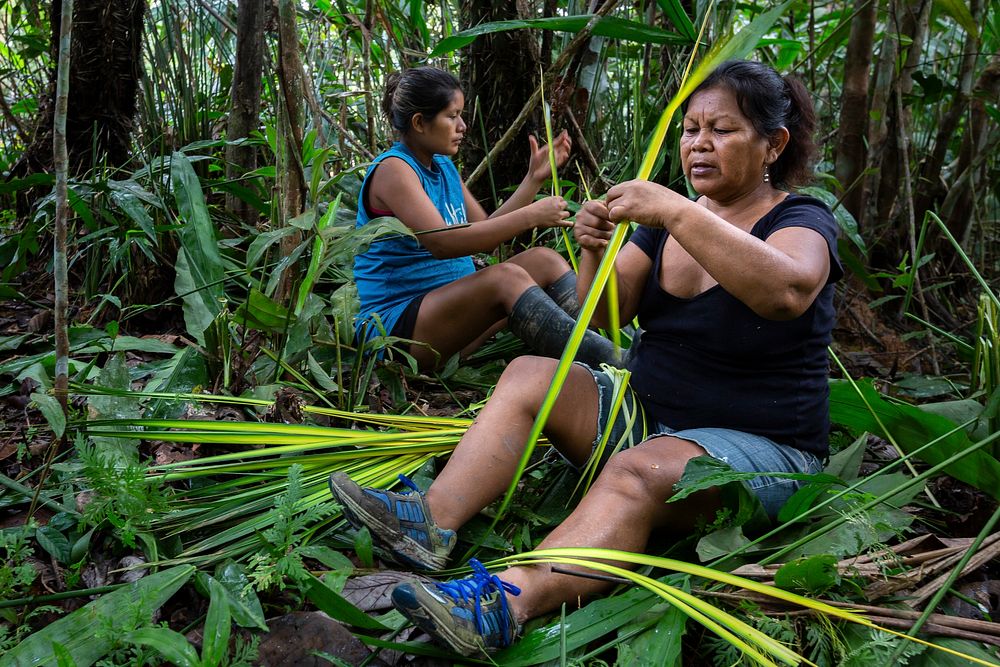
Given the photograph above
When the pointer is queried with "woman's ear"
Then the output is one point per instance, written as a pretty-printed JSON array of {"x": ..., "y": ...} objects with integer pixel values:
[
  {"x": 417, "y": 122},
  {"x": 776, "y": 144}
]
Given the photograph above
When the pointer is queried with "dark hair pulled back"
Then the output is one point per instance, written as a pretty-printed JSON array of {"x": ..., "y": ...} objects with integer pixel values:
[
  {"x": 771, "y": 102},
  {"x": 423, "y": 90}
]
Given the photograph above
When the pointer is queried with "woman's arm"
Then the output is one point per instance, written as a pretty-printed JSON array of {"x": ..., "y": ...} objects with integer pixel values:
[
  {"x": 593, "y": 229},
  {"x": 395, "y": 187},
  {"x": 778, "y": 279}
]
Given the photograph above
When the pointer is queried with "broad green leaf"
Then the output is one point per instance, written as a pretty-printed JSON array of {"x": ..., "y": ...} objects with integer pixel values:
[
  {"x": 218, "y": 625},
  {"x": 364, "y": 547},
  {"x": 134, "y": 209},
  {"x": 115, "y": 375},
  {"x": 960, "y": 411},
  {"x": 15, "y": 184},
  {"x": 63, "y": 658},
  {"x": 198, "y": 310},
  {"x": 168, "y": 643},
  {"x": 959, "y": 10},
  {"x": 184, "y": 373},
  {"x": 199, "y": 266},
  {"x": 911, "y": 427},
  {"x": 54, "y": 542},
  {"x": 337, "y": 607},
  {"x": 812, "y": 575},
  {"x": 607, "y": 26},
  {"x": 90, "y": 632},
  {"x": 866, "y": 528},
  {"x": 846, "y": 463},
  {"x": 843, "y": 465},
  {"x": 674, "y": 10},
  {"x": 262, "y": 312},
  {"x": 243, "y": 602},
  {"x": 723, "y": 542},
  {"x": 705, "y": 472},
  {"x": 321, "y": 377},
  {"x": 660, "y": 645},
  {"x": 263, "y": 241},
  {"x": 334, "y": 560},
  {"x": 152, "y": 345},
  {"x": 833, "y": 39},
  {"x": 848, "y": 225},
  {"x": 81, "y": 547},
  {"x": 983, "y": 651},
  {"x": 52, "y": 411}
]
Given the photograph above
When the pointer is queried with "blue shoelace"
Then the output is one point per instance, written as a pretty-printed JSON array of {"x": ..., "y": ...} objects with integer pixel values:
[
  {"x": 474, "y": 588},
  {"x": 408, "y": 483}
]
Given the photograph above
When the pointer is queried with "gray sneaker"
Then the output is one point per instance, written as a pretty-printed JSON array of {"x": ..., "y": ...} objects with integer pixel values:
[
  {"x": 400, "y": 523},
  {"x": 469, "y": 615}
]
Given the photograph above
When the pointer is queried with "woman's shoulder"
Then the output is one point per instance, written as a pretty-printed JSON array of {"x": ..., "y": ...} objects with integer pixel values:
[
  {"x": 798, "y": 199},
  {"x": 800, "y": 210}
]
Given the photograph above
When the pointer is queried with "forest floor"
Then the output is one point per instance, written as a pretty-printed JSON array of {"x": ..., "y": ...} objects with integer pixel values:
[{"x": 870, "y": 344}]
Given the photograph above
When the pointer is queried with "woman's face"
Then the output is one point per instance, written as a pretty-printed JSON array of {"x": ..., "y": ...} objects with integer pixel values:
[
  {"x": 443, "y": 133},
  {"x": 722, "y": 154}
]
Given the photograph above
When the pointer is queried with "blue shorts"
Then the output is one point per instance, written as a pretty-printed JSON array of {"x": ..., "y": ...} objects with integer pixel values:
[{"x": 743, "y": 452}]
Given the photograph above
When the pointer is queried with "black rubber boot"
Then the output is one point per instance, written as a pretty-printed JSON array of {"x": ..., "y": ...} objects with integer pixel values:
[
  {"x": 563, "y": 292},
  {"x": 540, "y": 323}
]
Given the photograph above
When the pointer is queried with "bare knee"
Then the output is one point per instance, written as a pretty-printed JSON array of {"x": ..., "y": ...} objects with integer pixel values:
[
  {"x": 508, "y": 281},
  {"x": 524, "y": 376},
  {"x": 544, "y": 265},
  {"x": 636, "y": 478},
  {"x": 645, "y": 477}
]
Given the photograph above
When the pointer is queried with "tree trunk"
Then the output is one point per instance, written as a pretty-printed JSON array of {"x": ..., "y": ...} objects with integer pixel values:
[
  {"x": 931, "y": 189},
  {"x": 245, "y": 114},
  {"x": 60, "y": 159},
  {"x": 881, "y": 185},
  {"x": 106, "y": 63},
  {"x": 914, "y": 21},
  {"x": 495, "y": 90},
  {"x": 851, "y": 154},
  {"x": 957, "y": 211},
  {"x": 291, "y": 77}
]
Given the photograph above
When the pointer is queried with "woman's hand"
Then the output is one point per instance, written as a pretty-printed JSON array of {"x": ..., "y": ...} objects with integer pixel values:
[
  {"x": 538, "y": 161},
  {"x": 549, "y": 212},
  {"x": 593, "y": 228},
  {"x": 647, "y": 203}
]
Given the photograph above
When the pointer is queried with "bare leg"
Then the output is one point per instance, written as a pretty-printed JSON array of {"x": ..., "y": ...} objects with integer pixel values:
[
  {"x": 621, "y": 510},
  {"x": 483, "y": 464},
  {"x": 460, "y": 316}
]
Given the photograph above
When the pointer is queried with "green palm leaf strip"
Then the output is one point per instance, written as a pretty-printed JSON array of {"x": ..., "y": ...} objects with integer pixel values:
[
  {"x": 732, "y": 47},
  {"x": 620, "y": 386},
  {"x": 556, "y": 190},
  {"x": 223, "y": 518},
  {"x": 403, "y": 422},
  {"x": 612, "y": 300},
  {"x": 749, "y": 639}
]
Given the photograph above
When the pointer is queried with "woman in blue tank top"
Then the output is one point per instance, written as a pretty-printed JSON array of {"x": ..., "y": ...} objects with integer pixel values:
[{"x": 425, "y": 288}]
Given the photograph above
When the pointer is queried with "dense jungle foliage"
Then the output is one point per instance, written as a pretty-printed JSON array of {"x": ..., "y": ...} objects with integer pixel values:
[{"x": 178, "y": 374}]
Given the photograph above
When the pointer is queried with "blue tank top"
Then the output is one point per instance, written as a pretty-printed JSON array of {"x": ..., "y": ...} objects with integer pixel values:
[{"x": 396, "y": 270}]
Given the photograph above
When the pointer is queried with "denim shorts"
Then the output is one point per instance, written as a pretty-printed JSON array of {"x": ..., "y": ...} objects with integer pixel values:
[{"x": 743, "y": 452}]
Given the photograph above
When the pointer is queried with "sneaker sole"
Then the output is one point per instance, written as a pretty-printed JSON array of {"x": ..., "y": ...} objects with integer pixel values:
[
  {"x": 406, "y": 549},
  {"x": 426, "y": 620}
]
